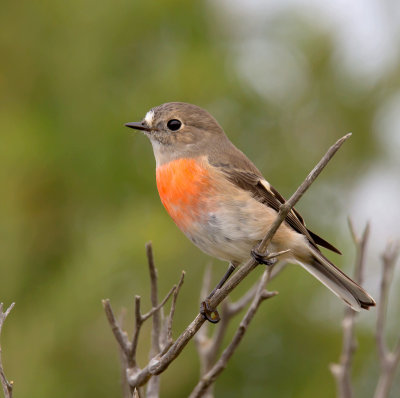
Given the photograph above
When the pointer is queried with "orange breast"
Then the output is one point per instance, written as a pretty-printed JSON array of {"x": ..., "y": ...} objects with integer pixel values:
[{"x": 184, "y": 186}]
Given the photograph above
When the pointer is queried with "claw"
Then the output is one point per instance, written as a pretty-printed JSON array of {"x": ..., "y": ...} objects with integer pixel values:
[
  {"x": 261, "y": 258},
  {"x": 208, "y": 313}
]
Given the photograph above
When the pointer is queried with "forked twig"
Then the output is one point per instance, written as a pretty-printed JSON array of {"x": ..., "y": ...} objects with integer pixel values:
[
  {"x": 168, "y": 335},
  {"x": 258, "y": 297},
  {"x": 286, "y": 207},
  {"x": 342, "y": 370},
  {"x": 389, "y": 360},
  {"x": 208, "y": 347},
  {"x": 129, "y": 347}
]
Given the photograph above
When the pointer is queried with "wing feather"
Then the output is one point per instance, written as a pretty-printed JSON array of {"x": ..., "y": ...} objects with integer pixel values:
[{"x": 262, "y": 191}]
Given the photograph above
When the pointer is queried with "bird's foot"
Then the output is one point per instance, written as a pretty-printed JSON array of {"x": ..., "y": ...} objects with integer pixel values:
[
  {"x": 208, "y": 313},
  {"x": 262, "y": 258}
]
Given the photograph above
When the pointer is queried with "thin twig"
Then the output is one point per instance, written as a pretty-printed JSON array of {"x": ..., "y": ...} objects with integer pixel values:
[
  {"x": 119, "y": 334},
  {"x": 159, "y": 306},
  {"x": 135, "y": 338},
  {"x": 230, "y": 309},
  {"x": 153, "y": 386},
  {"x": 234, "y": 307},
  {"x": 139, "y": 320},
  {"x": 126, "y": 388},
  {"x": 170, "y": 319},
  {"x": 129, "y": 348},
  {"x": 155, "y": 334},
  {"x": 156, "y": 367},
  {"x": 342, "y": 370},
  {"x": 201, "y": 337},
  {"x": 210, "y": 345},
  {"x": 286, "y": 207},
  {"x": 221, "y": 364},
  {"x": 202, "y": 340},
  {"x": 7, "y": 385},
  {"x": 389, "y": 258},
  {"x": 389, "y": 360}
]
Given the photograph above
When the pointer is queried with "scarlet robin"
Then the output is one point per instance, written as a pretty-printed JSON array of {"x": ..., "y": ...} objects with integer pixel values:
[{"x": 224, "y": 205}]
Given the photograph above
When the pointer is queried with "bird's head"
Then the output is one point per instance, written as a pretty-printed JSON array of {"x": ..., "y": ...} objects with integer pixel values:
[{"x": 178, "y": 129}]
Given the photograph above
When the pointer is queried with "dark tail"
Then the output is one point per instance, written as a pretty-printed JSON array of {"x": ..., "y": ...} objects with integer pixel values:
[{"x": 337, "y": 281}]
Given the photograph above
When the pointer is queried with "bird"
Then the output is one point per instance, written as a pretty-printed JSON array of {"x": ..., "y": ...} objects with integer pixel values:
[{"x": 224, "y": 205}]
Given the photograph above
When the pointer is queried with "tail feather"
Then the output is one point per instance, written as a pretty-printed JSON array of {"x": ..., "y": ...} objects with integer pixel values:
[{"x": 337, "y": 281}]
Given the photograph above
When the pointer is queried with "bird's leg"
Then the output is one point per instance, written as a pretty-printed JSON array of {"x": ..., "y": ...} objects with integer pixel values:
[
  {"x": 208, "y": 313},
  {"x": 261, "y": 258}
]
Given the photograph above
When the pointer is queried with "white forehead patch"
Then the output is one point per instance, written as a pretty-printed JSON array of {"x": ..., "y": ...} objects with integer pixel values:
[{"x": 149, "y": 117}]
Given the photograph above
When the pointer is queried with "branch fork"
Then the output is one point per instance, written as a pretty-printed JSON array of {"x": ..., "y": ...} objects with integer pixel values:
[
  {"x": 342, "y": 371},
  {"x": 161, "y": 330},
  {"x": 389, "y": 360}
]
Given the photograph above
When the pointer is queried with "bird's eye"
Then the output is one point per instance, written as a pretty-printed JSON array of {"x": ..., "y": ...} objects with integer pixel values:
[{"x": 174, "y": 124}]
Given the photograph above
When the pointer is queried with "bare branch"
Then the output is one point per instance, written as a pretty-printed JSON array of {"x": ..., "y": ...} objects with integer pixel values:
[
  {"x": 388, "y": 360},
  {"x": 119, "y": 334},
  {"x": 212, "y": 375},
  {"x": 157, "y": 366},
  {"x": 287, "y": 206},
  {"x": 159, "y": 306},
  {"x": 154, "y": 384},
  {"x": 169, "y": 340},
  {"x": 271, "y": 256},
  {"x": 360, "y": 243},
  {"x": 209, "y": 347},
  {"x": 389, "y": 258},
  {"x": 208, "y": 351},
  {"x": 233, "y": 308},
  {"x": 342, "y": 370},
  {"x": 201, "y": 337},
  {"x": 155, "y": 334},
  {"x": 237, "y": 306},
  {"x": 202, "y": 340},
  {"x": 7, "y": 385},
  {"x": 128, "y": 348},
  {"x": 126, "y": 388},
  {"x": 138, "y": 325}
]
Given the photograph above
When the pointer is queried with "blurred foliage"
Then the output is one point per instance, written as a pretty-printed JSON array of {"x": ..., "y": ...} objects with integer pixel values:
[{"x": 78, "y": 198}]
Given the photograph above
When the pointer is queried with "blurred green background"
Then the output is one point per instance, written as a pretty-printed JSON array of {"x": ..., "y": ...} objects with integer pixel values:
[{"x": 78, "y": 197}]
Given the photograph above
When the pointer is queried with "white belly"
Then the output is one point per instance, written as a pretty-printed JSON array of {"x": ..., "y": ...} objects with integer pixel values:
[{"x": 232, "y": 229}]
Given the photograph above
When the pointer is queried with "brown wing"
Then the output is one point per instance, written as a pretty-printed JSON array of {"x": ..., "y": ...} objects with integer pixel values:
[{"x": 262, "y": 191}]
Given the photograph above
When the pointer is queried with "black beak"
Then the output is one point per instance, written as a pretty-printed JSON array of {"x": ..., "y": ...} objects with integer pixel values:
[{"x": 137, "y": 126}]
